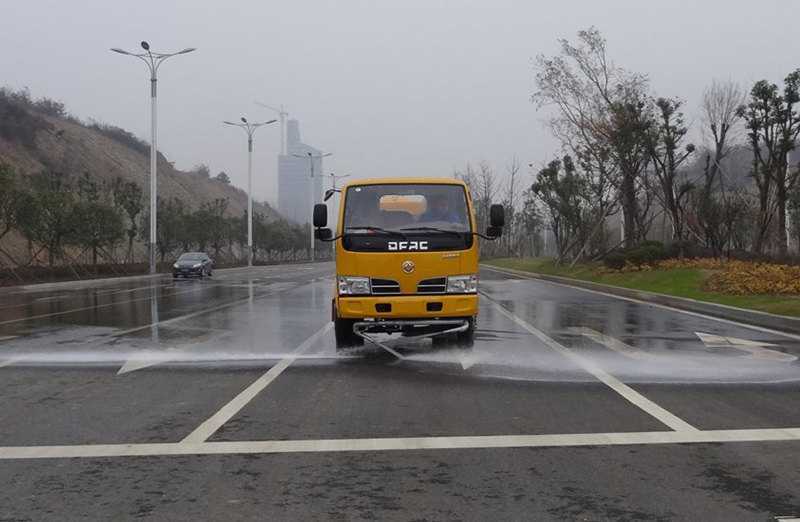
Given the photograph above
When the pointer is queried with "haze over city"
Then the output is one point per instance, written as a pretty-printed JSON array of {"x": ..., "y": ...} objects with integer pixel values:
[{"x": 411, "y": 88}]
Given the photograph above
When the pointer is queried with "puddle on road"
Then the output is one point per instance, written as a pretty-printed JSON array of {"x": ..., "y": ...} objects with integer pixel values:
[{"x": 635, "y": 343}]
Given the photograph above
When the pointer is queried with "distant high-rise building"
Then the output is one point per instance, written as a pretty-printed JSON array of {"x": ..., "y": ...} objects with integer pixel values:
[{"x": 293, "y": 177}]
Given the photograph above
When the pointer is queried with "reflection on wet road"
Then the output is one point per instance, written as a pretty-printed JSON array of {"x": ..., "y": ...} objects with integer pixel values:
[{"x": 213, "y": 370}]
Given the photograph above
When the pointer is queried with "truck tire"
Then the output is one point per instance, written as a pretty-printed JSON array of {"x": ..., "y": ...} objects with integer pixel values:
[
  {"x": 467, "y": 338},
  {"x": 345, "y": 337}
]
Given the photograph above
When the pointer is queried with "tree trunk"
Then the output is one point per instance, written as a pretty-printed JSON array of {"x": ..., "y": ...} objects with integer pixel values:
[
  {"x": 629, "y": 209},
  {"x": 783, "y": 249}
]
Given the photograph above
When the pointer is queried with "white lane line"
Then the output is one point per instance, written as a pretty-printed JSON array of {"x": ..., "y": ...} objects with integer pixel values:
[
  {"x": 400, "y": 444},
  {"x": 654, "y": 305},
  {"x": 269, "y": 293},
  {"x": 611, "y": 343},
  {"x": 9, "y": 362},
  {"x": 94, "y": 307},
  {"x": 146, "y": 360},
  {"x": 609, "y": 380},
  {"x": 226, "y": 413},
  {"x": 755, "y": 349}
]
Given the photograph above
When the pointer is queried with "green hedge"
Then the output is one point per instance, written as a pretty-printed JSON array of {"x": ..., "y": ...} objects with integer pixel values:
[{"x": 646, "y": 253}]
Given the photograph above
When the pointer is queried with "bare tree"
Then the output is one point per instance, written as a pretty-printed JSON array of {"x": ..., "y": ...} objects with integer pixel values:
[
  {"x": 773, "y": 125},
  {"x": 600, "y": 116},
  {"x": 511, "y": 235},
  {"x": 668, "y": 155}
]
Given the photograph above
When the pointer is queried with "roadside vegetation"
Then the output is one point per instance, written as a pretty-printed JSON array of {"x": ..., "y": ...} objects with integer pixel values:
[
  {"x": 646, "y": 192},
  {"x": 76, "y": 225},
  {"x": 635, "y": 165},
  {"x": 762, "y": 286}
]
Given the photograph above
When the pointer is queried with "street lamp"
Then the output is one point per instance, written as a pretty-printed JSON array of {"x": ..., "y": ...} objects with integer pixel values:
[
  {"x": 334, "y": 177},
  {"x": 153, "y": 61},
  {"x": 311, "y": 157},
  {"x": 249, "y": 129}
]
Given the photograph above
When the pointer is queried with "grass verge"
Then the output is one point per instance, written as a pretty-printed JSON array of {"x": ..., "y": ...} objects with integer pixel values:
[{"x": 680, "y": 282}]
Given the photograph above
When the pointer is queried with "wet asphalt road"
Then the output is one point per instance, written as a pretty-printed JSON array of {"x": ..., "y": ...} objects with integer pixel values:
[{"x": 151, "y": 399}]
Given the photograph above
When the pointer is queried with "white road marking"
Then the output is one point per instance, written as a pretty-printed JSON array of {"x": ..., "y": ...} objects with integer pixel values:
[
  {"x": 7, "y": 337},
  {"x": 756, "y": 349},
  {"x": 518, "y": 273},
  {"x": 93, "y": 307},
  {"x": 612, "y": 382},
  {"x": 272, "y": 291},
  {"x": 9, "y": 362},
  {"x": 399, "y": 444},
  {"x": 470, "y": 359},
  {"x": 145, "y": 360},
  {"x": 226, "y": 413},
  {"x": 612, "y": 343}
]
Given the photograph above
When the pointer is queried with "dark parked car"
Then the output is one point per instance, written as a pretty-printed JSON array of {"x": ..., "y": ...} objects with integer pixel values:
[{"x": 192, "y": 264}]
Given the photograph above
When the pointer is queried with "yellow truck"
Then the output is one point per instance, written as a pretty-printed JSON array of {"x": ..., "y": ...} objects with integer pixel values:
[{"x": 406, "y": 253}]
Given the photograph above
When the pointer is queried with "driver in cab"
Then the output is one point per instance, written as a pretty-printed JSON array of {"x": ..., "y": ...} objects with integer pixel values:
[{"x": 439, "y": 211}]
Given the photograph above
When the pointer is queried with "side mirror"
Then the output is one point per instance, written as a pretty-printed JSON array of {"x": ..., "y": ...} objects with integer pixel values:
[
  {"x": 497, "y": 216},
  {"x": 323, "y": 234},
  {"x": 320, "y": 215},
  {"x": 494, "y": 232}
]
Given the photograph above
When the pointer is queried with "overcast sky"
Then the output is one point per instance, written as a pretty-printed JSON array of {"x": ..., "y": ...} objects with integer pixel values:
[{"x": 408, "y": 87}]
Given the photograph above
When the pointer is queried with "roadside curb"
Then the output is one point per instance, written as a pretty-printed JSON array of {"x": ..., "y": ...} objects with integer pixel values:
[{"x": 732, "y": 313}]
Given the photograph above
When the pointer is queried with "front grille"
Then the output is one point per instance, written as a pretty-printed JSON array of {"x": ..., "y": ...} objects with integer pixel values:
[
  {"x": 437, "y": 285},
  {"x": 385, "y": 286}
]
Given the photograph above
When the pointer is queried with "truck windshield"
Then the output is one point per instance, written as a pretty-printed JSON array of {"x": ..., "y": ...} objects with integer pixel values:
[{"x": 375, "y": 216}]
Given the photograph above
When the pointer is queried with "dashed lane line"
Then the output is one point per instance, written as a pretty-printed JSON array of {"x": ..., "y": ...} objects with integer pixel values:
[
  {"x": 399, "y": 444},
  {"x": 609, "y": 380},
  {"x": 226, "y": 413},
  {"x": 93, "y": 307}
]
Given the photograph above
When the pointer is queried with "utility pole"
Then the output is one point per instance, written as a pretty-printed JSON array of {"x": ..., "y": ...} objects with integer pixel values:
[
  {"x": 249, "y": 129},
  {"x": 153, "y": 61},
  {"x": 311, "y": 157}
]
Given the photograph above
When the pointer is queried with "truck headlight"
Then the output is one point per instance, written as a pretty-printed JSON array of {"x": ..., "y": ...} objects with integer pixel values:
[
  {"x": 354, "y": 285},
  {"x": 462, "y": 284}
]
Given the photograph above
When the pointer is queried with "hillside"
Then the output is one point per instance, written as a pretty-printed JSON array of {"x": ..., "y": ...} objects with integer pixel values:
[
  {"x": 40, "y": 136},
  {"x": 76, "y": 148}
]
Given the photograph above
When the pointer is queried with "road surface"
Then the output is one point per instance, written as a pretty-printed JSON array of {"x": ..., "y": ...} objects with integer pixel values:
[{"x": 224, "y": 399}]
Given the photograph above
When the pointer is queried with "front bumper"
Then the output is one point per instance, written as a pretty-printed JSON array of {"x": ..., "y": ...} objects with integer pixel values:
[
  {"x": 187, "y": 271},
  {"x": 407, "y": 306}
]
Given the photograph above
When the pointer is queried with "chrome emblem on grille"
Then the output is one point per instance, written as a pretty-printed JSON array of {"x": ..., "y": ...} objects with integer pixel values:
[{"x": 408, "y": 266}]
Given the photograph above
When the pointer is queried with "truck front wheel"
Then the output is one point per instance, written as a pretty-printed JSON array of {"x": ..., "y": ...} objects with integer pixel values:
[
  {"x": 345, "y": 337},
  {"x": 467, "y": 337}
]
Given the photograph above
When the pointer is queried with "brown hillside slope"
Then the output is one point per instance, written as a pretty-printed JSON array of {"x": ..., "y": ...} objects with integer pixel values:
[{"x": 74, "y": 149}]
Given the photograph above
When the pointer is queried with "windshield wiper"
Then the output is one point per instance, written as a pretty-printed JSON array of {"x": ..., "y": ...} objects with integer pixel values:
[
  {"x": 379, "y": 229},
  {"x": 433, "y": 229}
]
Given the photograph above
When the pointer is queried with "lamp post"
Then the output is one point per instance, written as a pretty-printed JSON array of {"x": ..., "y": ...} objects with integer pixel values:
[
  {"x": 334, "y": 177},
  {"x": 153, "y": 61},
  {"x": 249, "y": 129},
  {"x": 311, "y": 157}
]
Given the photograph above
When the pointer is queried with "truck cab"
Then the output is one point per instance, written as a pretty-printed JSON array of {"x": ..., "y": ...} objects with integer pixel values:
[{"x": 406, "y": 253}]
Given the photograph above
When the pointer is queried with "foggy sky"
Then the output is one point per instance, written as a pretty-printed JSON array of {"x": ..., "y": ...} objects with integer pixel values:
[{"x": 409, "y": 87}]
